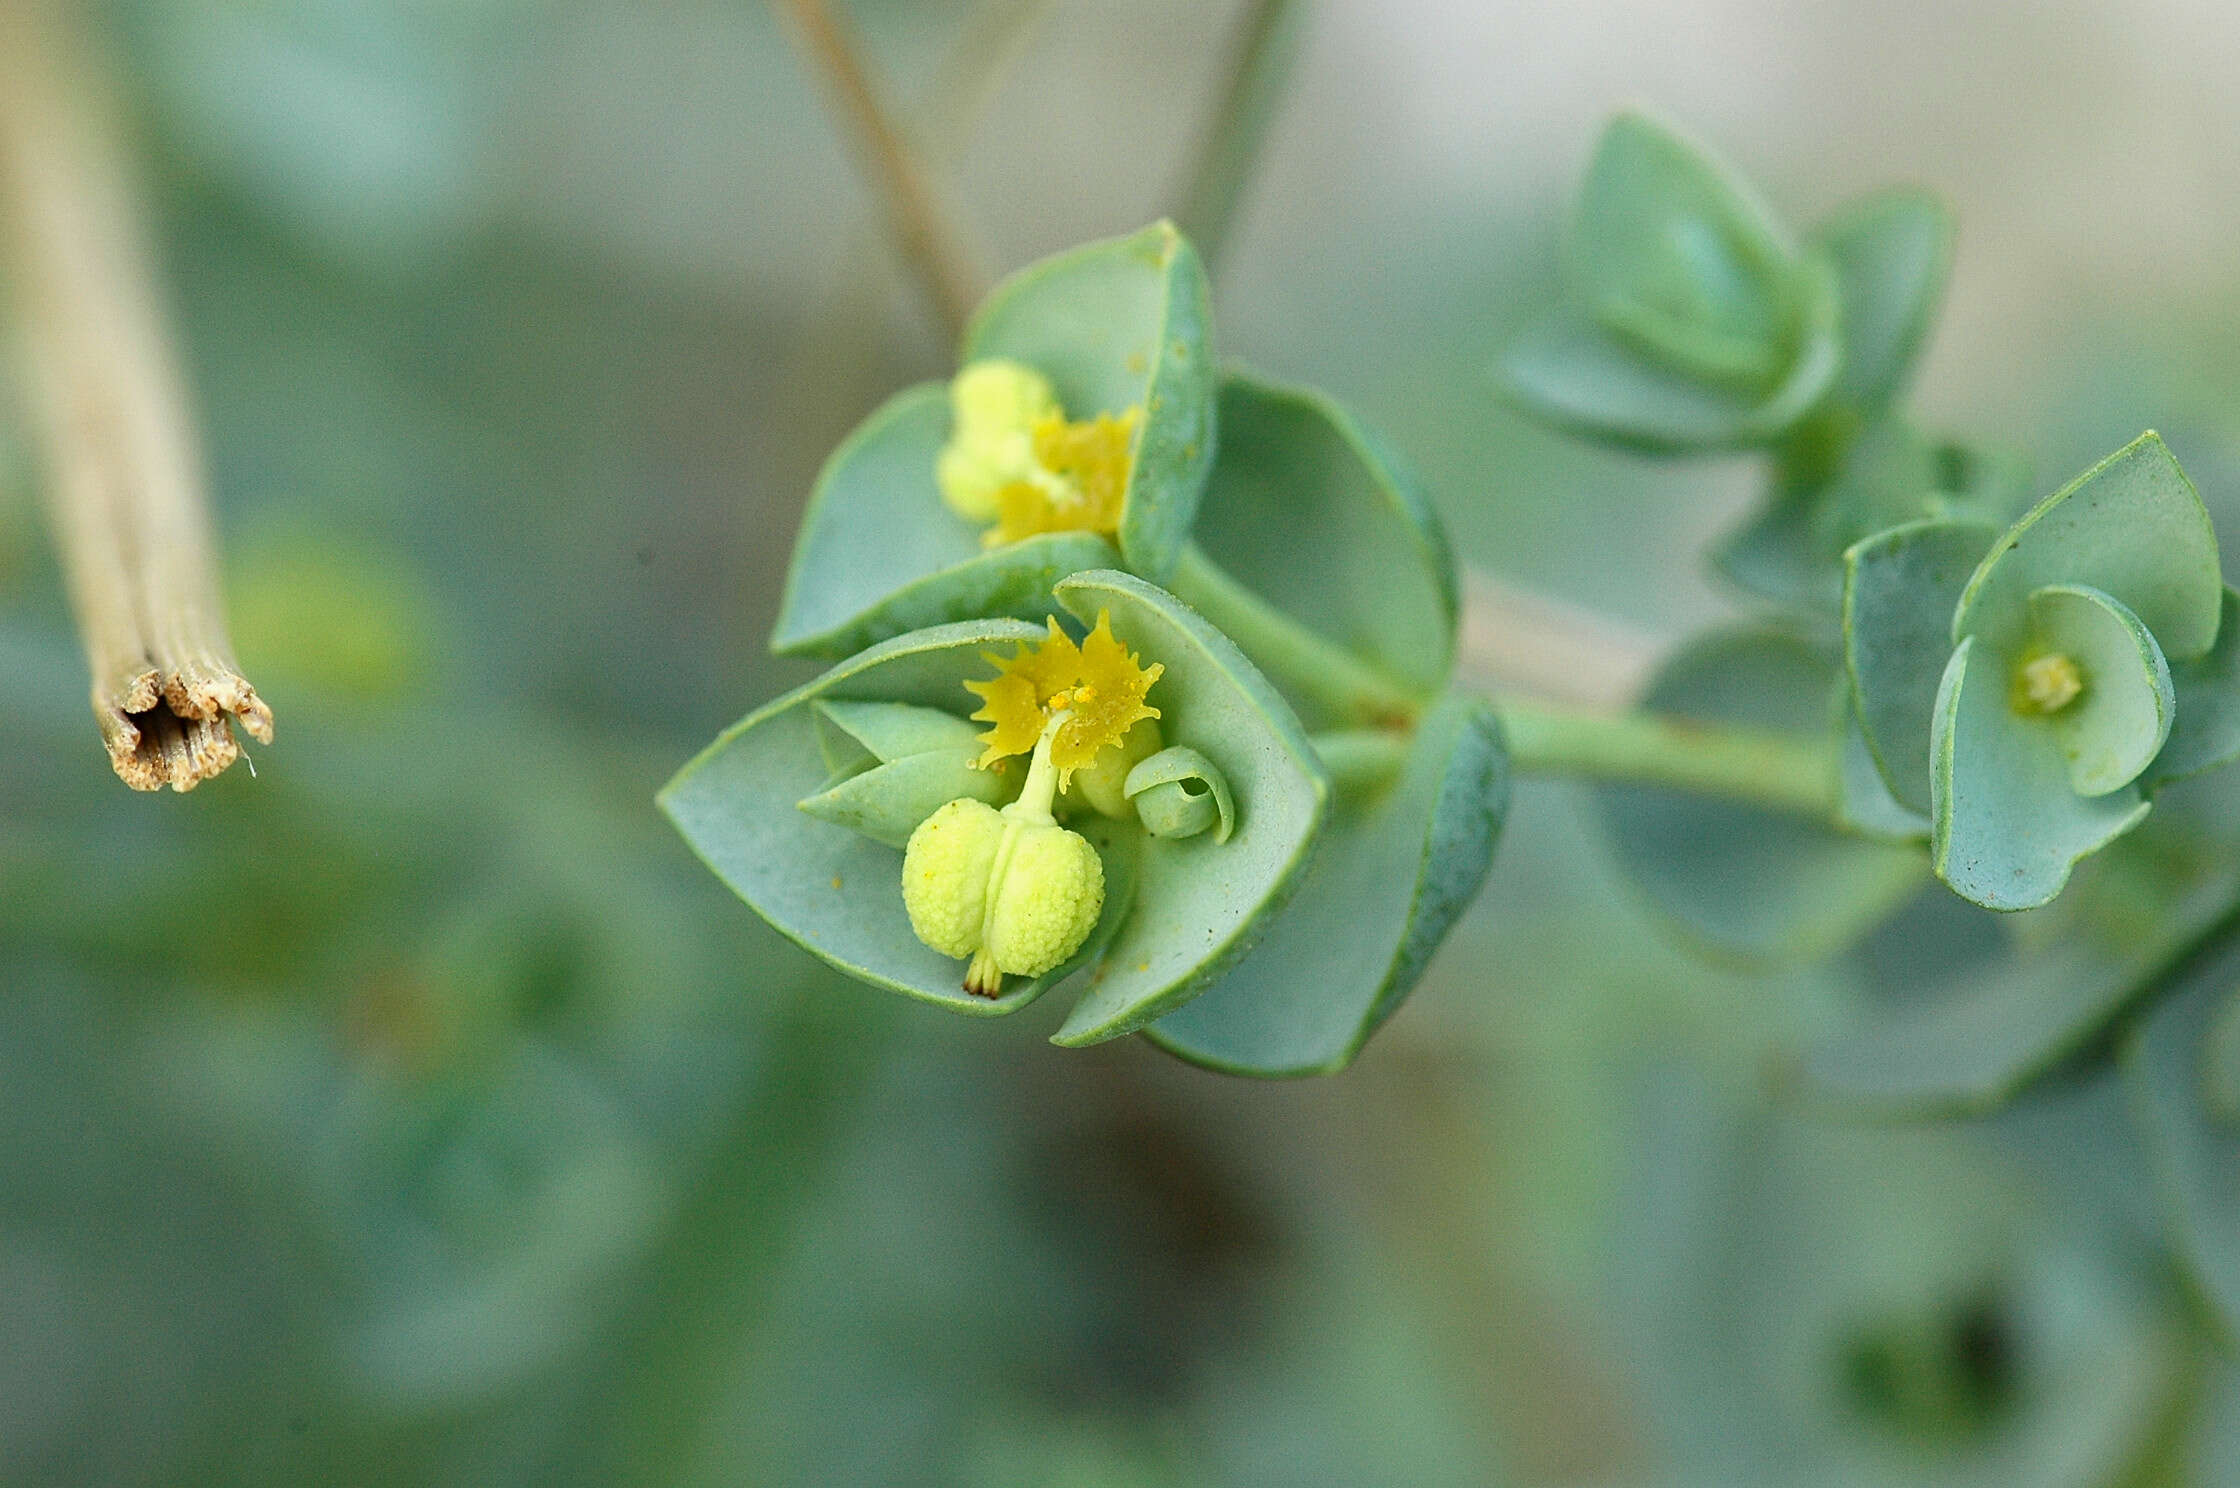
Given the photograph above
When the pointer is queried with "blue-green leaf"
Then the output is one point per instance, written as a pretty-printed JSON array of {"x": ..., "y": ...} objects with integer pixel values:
[
  {"x": 1749, "y": 883},
  {"x": 2111, "y": 730},
  {"x": 1691, "y": 319},
  {"x": 887, "y": 802},
  {"x": 1392, "y": 873},
  {"x": 1570, "y": 370},
  {"x": 2132, "y": 527},
  {"x": 1315, "y": 515},
  {"x": 1119, "y": 324},
  {"x": 2206, "y": 731},
  {"x": 2007, "y": 825},
  {"x": 1899, "y": 590},
  {"x": 1979, "y": 1004},
  {"x": 1178, "y": 792},
  {"x": 1200, "y": 903},
  {"x": 880, "y": 554},
  {"x": 1892, "y": 254},
  {"x": 2195, "y": 1152},
  {"x": 1676, "y": 249},
  {"x": 1864, "y": 802}
]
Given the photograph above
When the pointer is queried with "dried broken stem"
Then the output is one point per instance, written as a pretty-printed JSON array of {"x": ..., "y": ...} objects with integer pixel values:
[{"x": 123, "y": 473}]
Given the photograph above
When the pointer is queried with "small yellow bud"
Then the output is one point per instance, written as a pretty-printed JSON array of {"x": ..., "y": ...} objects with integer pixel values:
[
  {"x": 994, "y": 408},
  {"x": 945, "y": 872},
  {"x": 999, "y": 396},
  {"x": 2047, "y": 684}
]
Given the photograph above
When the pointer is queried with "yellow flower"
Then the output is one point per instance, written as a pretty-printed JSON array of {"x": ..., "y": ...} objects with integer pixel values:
[
  {"x": 995, "y": 407},
  {"x": 1079, "y": 485},
  {"x": 1015, "y": 464},
  {"x": 1098, "y": 685}
]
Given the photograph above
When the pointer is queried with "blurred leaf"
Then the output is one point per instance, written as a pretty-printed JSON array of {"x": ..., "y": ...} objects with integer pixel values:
[
  {"x": 1674, "y": 250},
  {"x": 493, "y": 1211},
  {"x": 1792, "y": 551},
  {"x": 1900, "y": 588},
  {"x": 1315, "y": 515},
  {"x": 1972, "y": 1029},
  {"x": 1115, "y": 325},
  {"x": 880, "y": 554},
  {"x": 1391, "y": 875},
  {"x": 1892, "y": 253},
  {"x": 1816, "y": 1303},
  {"x": 1199, "y": 903},
  {"x": 2206, "y": 731},
  {"x": 1692, "y": 321},
  {"x": 1571, "y": 371},
  {"x": 2195, "y": 1152},
  {"x": 1749, "y": 883}
]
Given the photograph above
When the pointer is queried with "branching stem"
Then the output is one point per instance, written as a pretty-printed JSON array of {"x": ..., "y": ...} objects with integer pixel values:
[{"x": 1785, "y": 772}]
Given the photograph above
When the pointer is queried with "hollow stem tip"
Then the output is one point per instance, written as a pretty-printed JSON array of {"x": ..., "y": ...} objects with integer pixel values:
[{"x": 124, "y": 478}]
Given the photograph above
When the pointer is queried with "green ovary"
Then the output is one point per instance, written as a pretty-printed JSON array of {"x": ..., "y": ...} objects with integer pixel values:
[{"x": 1011, "y": 889}]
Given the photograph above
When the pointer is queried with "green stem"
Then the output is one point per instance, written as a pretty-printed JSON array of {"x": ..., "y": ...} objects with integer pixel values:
[
  {"x": 1293, "y": 656},
  {"x": 1784, "y": 772},
  {"x": 1361, "y": 760}
]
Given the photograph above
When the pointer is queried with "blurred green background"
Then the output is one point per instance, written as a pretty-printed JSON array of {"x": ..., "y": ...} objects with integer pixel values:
[{"x": 420, "y": 1112}]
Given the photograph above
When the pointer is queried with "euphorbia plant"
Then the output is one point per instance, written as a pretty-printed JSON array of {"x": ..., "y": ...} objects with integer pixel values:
[{"x": 1142, "y": 676}]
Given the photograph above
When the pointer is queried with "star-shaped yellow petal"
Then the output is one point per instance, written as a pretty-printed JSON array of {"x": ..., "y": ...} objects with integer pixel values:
[
  {"x": 1099, "y": 685},
  {"x": 1081, "y": 481}
]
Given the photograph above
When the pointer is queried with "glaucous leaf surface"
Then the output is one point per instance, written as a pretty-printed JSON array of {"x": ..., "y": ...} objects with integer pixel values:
[
  {"x": 1674, "y": 250},
  {"x": 2117, "y": 725},
  {"x": 1183, "y": 787},
  {"x": 1864, "y": 802},
  {"x": 1199, "y": 903},
  {"x": 2206, "y": 731},
  {"x": 1792, "y": 551},
  {"x": 1691, "y": 320},
  {"x": 2132, "y": 527},
  {"x": 1393, "y": 870},
  {"x": 2007, "y": 825},
  {"x": 880, "y": 554},
  {"x": 2195, "y": 1149},
  {"x": 1818, "y": 1303},
  {"x": 1571, "y": 371},
  {"x": 1892, "y": 253},
  {"x": 1900, "y": 587},
  {"x": 1317, "y": 516},
  {"x": 833, "y": 891},
  {"x": 1968, "y": 1007},
  {"x": 1747, "y": 882},
  {"x": 1124, "y": 323}
]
